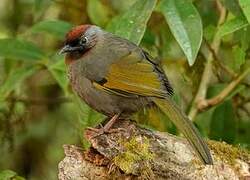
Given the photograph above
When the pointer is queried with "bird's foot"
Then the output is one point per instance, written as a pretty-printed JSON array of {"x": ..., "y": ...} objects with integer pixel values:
[
  {"x": 101, "y": 131},
  {"x": 105, "y": 129}
]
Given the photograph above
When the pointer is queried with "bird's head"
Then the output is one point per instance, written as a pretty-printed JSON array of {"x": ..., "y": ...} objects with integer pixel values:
[{"x": 79, "y": 40}]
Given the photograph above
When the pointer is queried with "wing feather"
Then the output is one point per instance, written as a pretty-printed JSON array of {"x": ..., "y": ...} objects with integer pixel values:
[{"x": 135, "y": 75}]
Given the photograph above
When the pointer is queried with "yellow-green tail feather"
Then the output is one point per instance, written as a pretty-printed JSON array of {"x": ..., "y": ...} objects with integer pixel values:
[{"x": 182, "y": 122}]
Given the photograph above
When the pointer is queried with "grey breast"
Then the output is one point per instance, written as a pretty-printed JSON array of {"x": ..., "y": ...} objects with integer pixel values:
[{"x": 104, "y": 102}]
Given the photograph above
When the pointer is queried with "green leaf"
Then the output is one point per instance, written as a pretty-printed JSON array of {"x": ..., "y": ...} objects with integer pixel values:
[
  {"x": 244, "y": 38},
  {"x": 185, "y": 23},
  {"x": 57, "y": 28},
  {"x": 7, "y": 174},
  {"x": 58, "y": 71},
  {"x": 98, "y": 12},
  {"x": 14, "y": 80},
  {"x": 10, "y": 175},
  {"x": 239, "y": 57},
  {"x": 20, "y": 50},
  {"x": 245, "y": 6},
  {"x": 232, "y": 26},
  {"x": 149, "y": 38},
  {"x": 203, "y": 120},
  {"x": 223, "y": 124},
  {"x": 223, "y": 121},
  {"x": 132, "y": 24},
  {"x": 209, "y": 32},
  {"x": 243, "y": 132}
]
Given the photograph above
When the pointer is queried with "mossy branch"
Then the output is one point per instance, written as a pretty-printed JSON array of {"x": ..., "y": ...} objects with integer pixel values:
[{"x": 137, "y": 153}]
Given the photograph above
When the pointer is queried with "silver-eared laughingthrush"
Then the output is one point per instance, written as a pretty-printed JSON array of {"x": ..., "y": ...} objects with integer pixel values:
[{"x": 118, "y": 78}]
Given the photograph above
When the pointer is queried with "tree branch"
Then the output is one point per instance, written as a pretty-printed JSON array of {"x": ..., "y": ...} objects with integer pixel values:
[
  {"x": 137, "y": 153},
  {"x": 207, "y": 73},
  {"x": 204, "y": 104}
]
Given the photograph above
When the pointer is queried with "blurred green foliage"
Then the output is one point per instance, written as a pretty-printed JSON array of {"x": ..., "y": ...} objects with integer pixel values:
[{"x": 38, "y": 110}]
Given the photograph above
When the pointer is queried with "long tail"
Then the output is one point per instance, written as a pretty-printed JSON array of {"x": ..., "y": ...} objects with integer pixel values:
[{"x": 182, "y": 122}]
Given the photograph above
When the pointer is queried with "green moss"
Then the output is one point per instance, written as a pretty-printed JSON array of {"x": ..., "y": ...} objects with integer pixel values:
[
  {"x": 228, "y": 153},
  {"x": 135, "y": 156}
]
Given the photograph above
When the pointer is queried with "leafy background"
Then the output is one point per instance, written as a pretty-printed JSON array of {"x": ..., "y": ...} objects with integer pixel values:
[{"x": 203, "y": 46}]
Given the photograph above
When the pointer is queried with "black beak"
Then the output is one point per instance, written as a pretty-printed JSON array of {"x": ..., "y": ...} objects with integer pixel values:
[
  {"x": 68, "y": 48},
  {"x": 65, "y": 49}
]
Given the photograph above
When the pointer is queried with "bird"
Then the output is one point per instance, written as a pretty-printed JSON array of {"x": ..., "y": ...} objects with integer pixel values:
[{"x": 117, "y": 78}]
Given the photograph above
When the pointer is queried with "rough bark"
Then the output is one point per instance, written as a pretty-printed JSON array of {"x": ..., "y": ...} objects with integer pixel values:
[{"x": 137, "y": 153}]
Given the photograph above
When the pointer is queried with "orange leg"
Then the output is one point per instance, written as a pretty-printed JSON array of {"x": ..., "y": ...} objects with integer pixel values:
[{"x": 106, "y": 128}]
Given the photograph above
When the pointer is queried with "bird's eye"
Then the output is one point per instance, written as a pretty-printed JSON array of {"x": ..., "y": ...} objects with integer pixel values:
[{"x": 83, "y": 41}]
